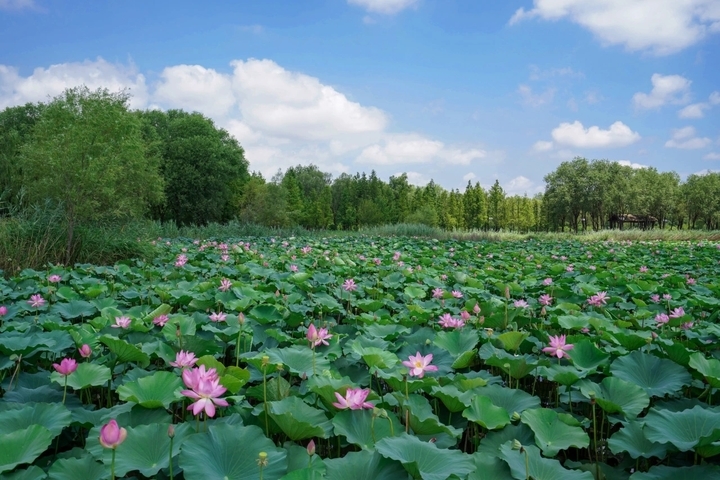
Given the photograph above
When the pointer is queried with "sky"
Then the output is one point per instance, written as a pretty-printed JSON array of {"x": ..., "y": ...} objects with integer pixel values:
[{"x": 449, "y": 90}]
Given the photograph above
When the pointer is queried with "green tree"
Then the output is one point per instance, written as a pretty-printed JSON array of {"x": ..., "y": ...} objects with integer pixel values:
[
  {"x": 87, "y": 152},
  {"x": 204, "y": 167}
]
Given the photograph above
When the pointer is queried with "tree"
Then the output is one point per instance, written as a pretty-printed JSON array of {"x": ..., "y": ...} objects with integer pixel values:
[
  {"x": 204, "y": 167},
  {"x": 86, "y": 152}
]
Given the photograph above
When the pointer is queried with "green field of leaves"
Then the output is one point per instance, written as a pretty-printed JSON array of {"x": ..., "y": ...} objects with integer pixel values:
[{"x": 366, "y": 358}]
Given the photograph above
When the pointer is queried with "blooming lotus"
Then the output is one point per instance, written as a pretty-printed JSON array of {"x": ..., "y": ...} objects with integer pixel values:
[
  {"x": 217, "y": 317},
  {"x": 317, "y": 336},
  {"x": 354, "y": 399},
  {"x": 54, "y": 279},
  {"x": 66, "y": 366},
  {"x": 193, "y": 376},
  {"x": 547, "y": 281},
  {"x": 111, "y": 435},
  {"x": 3, "y": 310},
  {"x": 36, "y": 301},
  {"x": 121, "y": 322},
  {"x": 438, "y": 293},
  {"x": 677, "y": 313},
  {"x": 184, "y": 359},
  {"x": 418, "y": 365},
  {"x": 181, "y": 260},
  {"x": 558, "y": 347},
  {"x": 457, "y": 294},
  {"x": 598, "y": 300},
  {"x": 520, "y": 304},
  {"x": 349, "y": 285},
  {"x": 655, "y": 298},
  {"x": 161, "y": 320},
  {"x": 206, "y": 394},
  {"x": 545, "y": 300},
  {"x": 448, "y": 321},
  {"x": 293, "y": 268},
  {"x": 662, "y": 318},
  {"x": 225, "y": 285}
]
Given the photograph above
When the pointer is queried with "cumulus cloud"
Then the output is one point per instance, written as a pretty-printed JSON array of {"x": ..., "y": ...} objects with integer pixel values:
[
  {"x": 192, "y": 87},
  {"x": 576, "y": 135},
  {"x": 686, "y": 138},
  {"x": 712, "y": 156},
  {"x": 630, "y": 164},
  {"x": 416, "y": 149},
  {"x": 659, "y": 26},
  {"x": 385, "y": 7},
  {"x": 535, "y": 99},
  {"x": 416, "y": 178},
  {"x": 666, "y": 89},
  {"x": 45, "y": 83},
  {"x": 697, "y": 110},
  {"x": 521, "y": 185},
  {"x": 469, "y": 176}
]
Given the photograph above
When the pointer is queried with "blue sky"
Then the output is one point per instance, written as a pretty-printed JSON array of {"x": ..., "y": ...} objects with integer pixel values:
[{"x": 444, "y": 89}]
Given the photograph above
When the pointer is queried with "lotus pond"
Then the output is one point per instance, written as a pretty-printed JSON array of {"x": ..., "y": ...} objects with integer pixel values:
[{"x": 366, "y": 359}]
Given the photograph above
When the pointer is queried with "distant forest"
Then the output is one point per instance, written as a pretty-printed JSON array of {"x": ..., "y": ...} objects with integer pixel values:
[{"x": 90, "y": 153}]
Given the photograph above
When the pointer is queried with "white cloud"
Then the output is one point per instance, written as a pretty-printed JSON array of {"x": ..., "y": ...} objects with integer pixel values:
[
  {"x": 685, "y": 138},
  {"x": 414, "y": 149},
  {"x": 192, "y": 87},
  {"x": 45, "y": 83},
  {"x": 576, "y": 135},
  {"x": 666, "y": 89},
  {"x": 543, "y": 146},
  {"x": 697, "y": 110},
  {"x": 537, "y": 74},
  {"x": 630, "y": 164},
  {"x": 694, "y": 110},
  {"x": 535, "y": 99},
  {"x": 295, "y": 105},
  {"x": 712, "y": 156},
  {"x": 416, "y": 178},
  {"x": 385, "y": 7},
  {"x": 660, "y": 26},
  {"x": 469, "y": 176},
  {"x": 521, "y": 185},
  {"x": 17, "y": 4}
]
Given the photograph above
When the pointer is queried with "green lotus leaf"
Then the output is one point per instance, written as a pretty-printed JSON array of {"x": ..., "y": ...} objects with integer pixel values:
[
  {"x": 32, "y": 472},
  {"x": 229, "y": 451},
  {"x": 74, "y": 468},
  {"x": 662, "y": 472},
  {"x": 709, "y": 368},
  {"x": 657, "y": 376},
  {"x": 53, "y": 416},
  {"x": 265, "y": 314},
  {"x": 298, "y": 420},
  {"x": 424, "y": 458},
  {"x": 631, "y": 439},
  {"x": 158, "y": 390},
  {"x": 587, "y": 356},
  {"x": 483, "y": 412},
  {"x": 74, "y": 309},
  {"x": 364, "y": 465},
  {"x": 125, "y": 352},
  {"x": 23, "y": 446},
  {"x": 684, "y": 429},
  {"x": 616, "y": 396},
  {"x": 299, "y": 360},
  {"x": 452, "y": 397},
  {"x": 511, "y": 340},
  {"x": 362, "y": 429},
  {"x": 552, "y": 434},
  {"x": 538, "y": 468},
  {"x": 512, "y": 400},
  {"x": 422, "y": 419},
  {"x": 489, "y": 468},
  {"x": 86, "y": 375}
]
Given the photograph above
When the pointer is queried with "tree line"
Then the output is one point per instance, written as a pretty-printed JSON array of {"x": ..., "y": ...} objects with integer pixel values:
[{"x": 89, "y": 152}]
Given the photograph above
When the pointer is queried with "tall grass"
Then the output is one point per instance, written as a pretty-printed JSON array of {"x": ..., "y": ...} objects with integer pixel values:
[{"x": 37, "y": 237}]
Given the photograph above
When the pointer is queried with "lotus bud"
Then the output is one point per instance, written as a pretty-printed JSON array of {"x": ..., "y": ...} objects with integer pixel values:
[
  {"x": 427, "y": 342},
  {"x": 311, "y": 448},
  {"x": 507, "y": 292},
  {"x": 241, "y": 319},
  {"x": 265, "y": 360},
  {"x": 516, "y": 445},
  {"x": 515, "y": 417},
  {"x": 171, "y": 430}
]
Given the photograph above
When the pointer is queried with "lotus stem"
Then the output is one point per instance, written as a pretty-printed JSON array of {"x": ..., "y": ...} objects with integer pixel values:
[
  {"x": 267, "y": 425},
  {"x": 112, "y": 466},
  {"x": 64, "y": 390}
]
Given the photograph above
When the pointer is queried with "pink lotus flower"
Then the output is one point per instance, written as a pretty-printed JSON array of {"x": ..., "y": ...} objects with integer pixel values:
[
  {"x": 677, "y": 313},
  {"x": 36, "y": 301},
  {"x": 558, "y": 347},
  {"x": 662, "y": 318},
  {"x": 686, "y": 326},
  {"x": 224, "y": 257},
  {"x": 207, "y": 395},
  {"x": 306, "y": 249},
  {"x": 310, "y": 448},
  {"x": 193, "y": 376},
  {"x": 476, "y": 308},
  {"x": 667, "y": 296},
  {"x": 161, "y": 320},
  {"x": 111, "y": 435},
  {"x": 3, "y": 310},
  {"x": 643, "y": 269},
  {"x": 457, "y": 294},
  {"x": 225, "y": 285},
  {"x": 520, "y": 304},
  {"x": 184, "y": 359},
  {"x": 545, "y": 300},
  {"x": 443, "y": 277},
  {"x": 655, "y": 298},
  {"x": 317, "y": 337},
  {"x": 448, "y": 321},
  {"x": 396, "y": 256},
  {"x": 181, "y": 260},
  {"x": 349, "y": 285},
  {"x": 377, "y": 261},
  {"x": 598, "y": 300},
  {"x": 691, "y": 281},
  {"x": 547, "y": 281},
  {"x": 121, "y": 322},
  {"x": 354, "y": 399},
  {"x": 465, "y": 315},
  {"x": 293, "y": 268},
  {"x": 66, "y": 366},
  {"x": 418, "y": 365},
  {"x": 217, "y": 317},
  {"x": 85, "y": 351},
  {"x": 438, "y": 293},
  {"x": 54, "y": 279}
]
